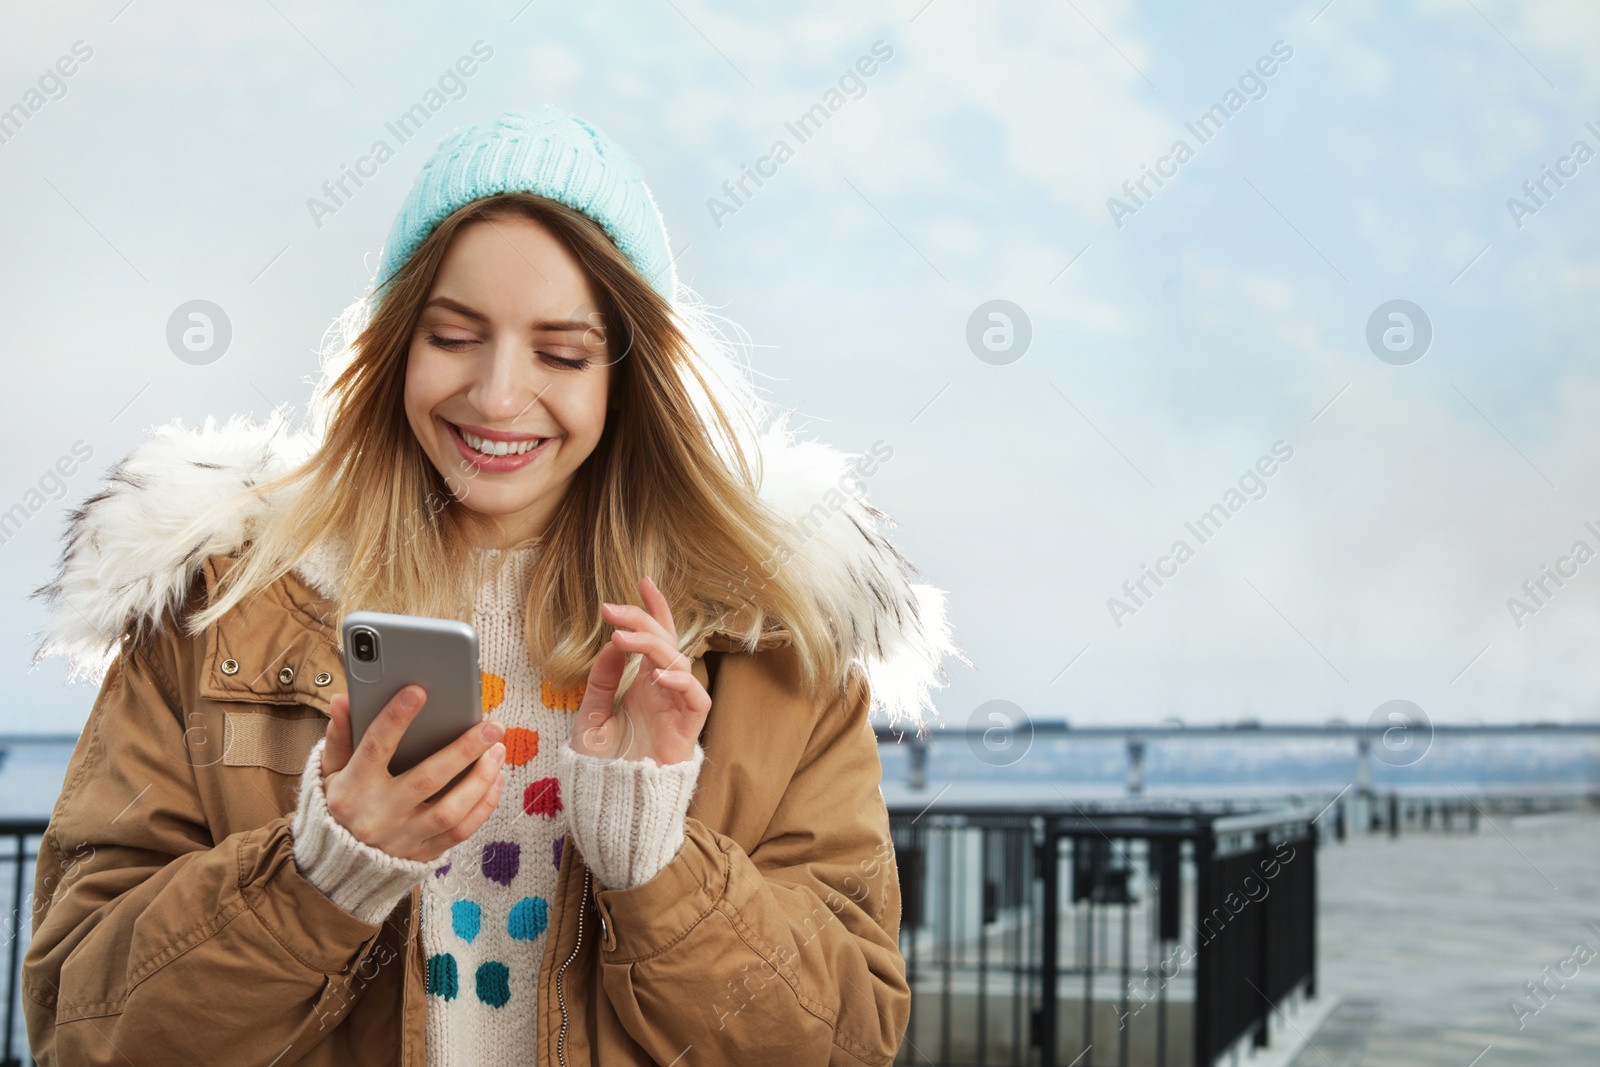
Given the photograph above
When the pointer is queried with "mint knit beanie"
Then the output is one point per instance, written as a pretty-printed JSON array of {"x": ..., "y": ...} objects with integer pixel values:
[{"x": 544, "y": 151}]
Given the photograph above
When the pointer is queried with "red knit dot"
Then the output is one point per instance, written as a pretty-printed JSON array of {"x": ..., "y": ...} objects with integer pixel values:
[{"x": 542, "y": 797}]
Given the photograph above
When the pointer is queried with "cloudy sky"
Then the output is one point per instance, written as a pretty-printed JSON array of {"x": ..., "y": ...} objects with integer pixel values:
[{"x": 1356, "y": 153}]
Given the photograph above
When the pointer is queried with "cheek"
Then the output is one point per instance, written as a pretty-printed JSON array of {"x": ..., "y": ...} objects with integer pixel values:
[
  {"x": 426, "y": 386},
  {"x": 584, "y": 408},
  {"x": 597, "y": 408},
  {"x": 600, "y": 400},
  {"x": 414, "y": 384}
]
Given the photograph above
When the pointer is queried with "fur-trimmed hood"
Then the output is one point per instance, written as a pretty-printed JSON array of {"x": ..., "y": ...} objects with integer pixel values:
[{"x": 132, "y": 550}]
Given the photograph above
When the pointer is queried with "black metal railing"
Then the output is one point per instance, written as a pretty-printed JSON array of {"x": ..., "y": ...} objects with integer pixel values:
[
  {"x": 1145, "y": 954},
  {"x": 1101, "y": 936},
  {"x": 21, "y": 837}
]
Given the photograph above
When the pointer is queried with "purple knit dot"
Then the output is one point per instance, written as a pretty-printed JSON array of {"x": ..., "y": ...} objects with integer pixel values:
[
  {"x": 555, "y": 848},
  {"x": 501, "y": 861},
  {"x": 440, "y": 872}
]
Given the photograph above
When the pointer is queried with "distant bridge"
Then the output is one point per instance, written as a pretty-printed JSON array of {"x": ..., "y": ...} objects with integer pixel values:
[
  {"x": 1060, "y": 727},
  {"x": 1136, "y": 737}
]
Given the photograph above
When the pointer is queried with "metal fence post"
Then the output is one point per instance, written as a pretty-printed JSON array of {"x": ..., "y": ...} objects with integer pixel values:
[
  {"x": 1311, "y": 913},
  {"x": 1259, "y": 844},
  {"x": 1205, "y": 892},
  {"x": 1050, "y": 926}
]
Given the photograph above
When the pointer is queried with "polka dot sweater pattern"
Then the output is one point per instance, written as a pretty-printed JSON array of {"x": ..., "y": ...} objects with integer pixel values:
[{"x": 486, "y": 902}]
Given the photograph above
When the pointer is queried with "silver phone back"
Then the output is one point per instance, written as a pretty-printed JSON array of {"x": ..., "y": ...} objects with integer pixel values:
[{"x": 440, "y": 655}]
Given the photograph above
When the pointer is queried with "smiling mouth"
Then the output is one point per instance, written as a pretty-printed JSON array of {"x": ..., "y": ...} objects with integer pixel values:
[{"x": 487, "y": 447}]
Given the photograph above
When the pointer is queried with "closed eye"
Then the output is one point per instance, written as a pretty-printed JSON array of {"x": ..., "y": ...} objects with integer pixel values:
[{"x": 454, "y": 344}]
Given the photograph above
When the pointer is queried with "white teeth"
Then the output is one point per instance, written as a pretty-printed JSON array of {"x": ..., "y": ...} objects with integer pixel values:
[{"x": 498, "y": 448}]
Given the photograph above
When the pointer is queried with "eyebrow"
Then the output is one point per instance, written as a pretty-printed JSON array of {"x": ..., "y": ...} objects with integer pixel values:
[{"x": 477, "y": 316}]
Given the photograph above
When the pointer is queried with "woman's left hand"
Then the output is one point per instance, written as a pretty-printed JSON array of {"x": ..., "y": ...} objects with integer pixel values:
[{"x": 663, "y": 711}]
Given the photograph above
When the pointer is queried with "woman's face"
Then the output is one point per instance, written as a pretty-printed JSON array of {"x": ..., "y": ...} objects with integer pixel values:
[{"x": 508, "y": 376}]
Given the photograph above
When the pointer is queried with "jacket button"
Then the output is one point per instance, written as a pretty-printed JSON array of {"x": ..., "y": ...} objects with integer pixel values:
[
  {"x": 230, "y": 666},
  {"x": 323, "y": 678},
  {"x": 286, "y": 675}
]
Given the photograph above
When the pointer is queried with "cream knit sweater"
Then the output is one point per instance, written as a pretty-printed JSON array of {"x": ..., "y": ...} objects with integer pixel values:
[{"x": 486, "y": 902}]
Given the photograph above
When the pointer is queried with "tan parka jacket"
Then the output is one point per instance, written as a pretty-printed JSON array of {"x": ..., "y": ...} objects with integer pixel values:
[{"x": 171, "y": 924}]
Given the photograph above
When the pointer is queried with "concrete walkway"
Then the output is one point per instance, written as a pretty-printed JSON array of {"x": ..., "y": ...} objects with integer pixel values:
[{"x": 1429, "y": 939}]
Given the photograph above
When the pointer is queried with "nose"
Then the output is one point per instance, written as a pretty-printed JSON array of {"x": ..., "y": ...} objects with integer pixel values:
[{"x": 508, "y": 382}]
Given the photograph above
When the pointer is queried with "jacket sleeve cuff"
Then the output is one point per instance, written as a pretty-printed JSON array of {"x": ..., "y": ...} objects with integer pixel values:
[
  {"x": 626, "y": 816},
  {"x": 365, "y": 881}
]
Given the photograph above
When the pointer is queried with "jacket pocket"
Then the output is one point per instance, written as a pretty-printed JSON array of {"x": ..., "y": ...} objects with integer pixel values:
[{"x": 275, "y": 740}]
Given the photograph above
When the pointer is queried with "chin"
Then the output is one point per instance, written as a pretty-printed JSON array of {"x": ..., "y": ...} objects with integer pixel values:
[{"x": 494, "y": 505}]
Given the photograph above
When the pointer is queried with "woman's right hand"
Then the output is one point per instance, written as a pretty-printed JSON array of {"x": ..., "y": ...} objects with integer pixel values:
[{"x": 393, "y": 813}]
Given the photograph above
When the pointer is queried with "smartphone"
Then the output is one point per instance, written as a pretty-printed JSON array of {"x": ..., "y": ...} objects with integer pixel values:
[{"x": 384, "y": 653}]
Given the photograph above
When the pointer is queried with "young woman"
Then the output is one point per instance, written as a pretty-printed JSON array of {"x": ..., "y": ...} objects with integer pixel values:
[{"x": 670, "y": 846}]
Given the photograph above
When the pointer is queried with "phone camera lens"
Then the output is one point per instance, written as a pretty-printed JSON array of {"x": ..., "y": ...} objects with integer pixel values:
[{"x": 364, "y": 645}]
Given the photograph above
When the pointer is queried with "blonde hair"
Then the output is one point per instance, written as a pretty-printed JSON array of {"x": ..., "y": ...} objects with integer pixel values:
[{"x": 669, "y": 491}]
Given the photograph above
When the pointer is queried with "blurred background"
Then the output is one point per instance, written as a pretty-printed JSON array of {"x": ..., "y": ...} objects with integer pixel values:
[{"x": 1307, "y": 290}]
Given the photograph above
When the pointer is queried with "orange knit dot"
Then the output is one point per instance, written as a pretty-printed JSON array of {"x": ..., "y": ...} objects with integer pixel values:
[
  {"x": 558, "y": 699},
  {"x": 521, "y": 745},
  {"x": 494, "y": 691}
]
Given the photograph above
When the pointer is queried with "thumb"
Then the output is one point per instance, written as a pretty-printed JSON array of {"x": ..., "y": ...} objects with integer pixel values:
[
  {"x": 337, "y": 751},
  {"x": 595, "y": 727}
]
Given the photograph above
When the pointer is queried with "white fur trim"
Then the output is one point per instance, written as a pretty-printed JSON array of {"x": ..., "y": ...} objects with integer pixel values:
[{"x": 134, "y": 547}]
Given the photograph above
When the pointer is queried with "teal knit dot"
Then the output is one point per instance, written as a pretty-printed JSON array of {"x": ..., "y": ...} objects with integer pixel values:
[
  {"x": 442, "y": 976},
  {"x": 528, "y": 918},
  {"x": 466, "y": 917},
  {"x": 494, "y": 984}
]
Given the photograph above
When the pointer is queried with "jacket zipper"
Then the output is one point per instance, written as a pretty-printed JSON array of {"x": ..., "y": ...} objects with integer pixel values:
[{"x": 561, "y": 996}]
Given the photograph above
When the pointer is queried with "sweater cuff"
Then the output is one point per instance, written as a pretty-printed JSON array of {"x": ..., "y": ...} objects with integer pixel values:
[
  {"x": 626, "y": 816},
  {"x": 365, "y": 881}
]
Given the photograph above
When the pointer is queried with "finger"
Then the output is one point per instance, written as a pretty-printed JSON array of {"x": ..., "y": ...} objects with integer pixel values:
[
  {"x": 604, "y": 675},
  {"x": 657, "y": 649},
  {"x": 656, "y": 601},
  {"x": 632, "y": 617},
  {"x": 449, "y": 805},
  {"x": 481, "y": 807},
  {"x": 595, "y": 727},
  {"x": 336, "y": 753},
  {"x": 384, "y": 733},
  {"x": 687, "y": 684},
  {"x": 592, "y": 734},
  {"x": 442, "y": 815},
  {"x": 437, "y": 771},
  {"x": 678, "y": 681}
]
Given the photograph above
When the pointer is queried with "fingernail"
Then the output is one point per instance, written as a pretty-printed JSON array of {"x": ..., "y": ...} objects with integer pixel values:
[
  {"x": 613, "y": 607},
  {"x": 492, "y": 730},
  {"x": 408, "y": 699},
  {"x": 497, "y": 753}
]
